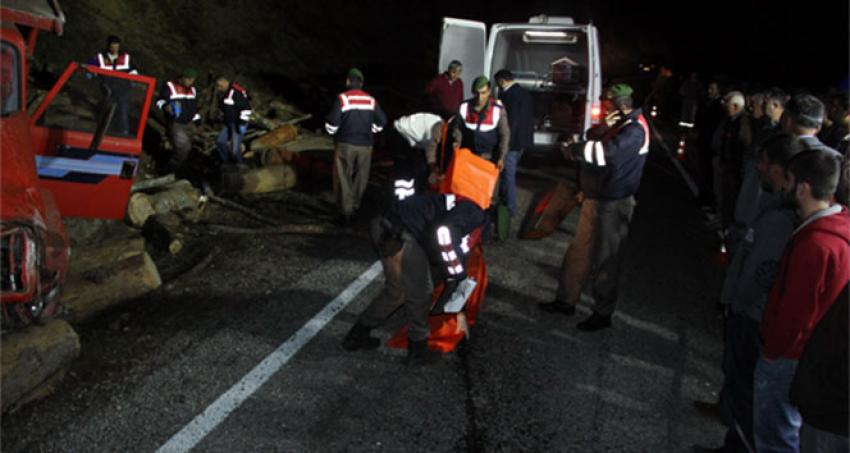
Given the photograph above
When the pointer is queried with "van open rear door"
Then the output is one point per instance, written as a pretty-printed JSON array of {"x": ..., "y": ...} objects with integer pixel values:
[
  {"x": 465, "y": 41},
  {"x": 88, "y": 137}
]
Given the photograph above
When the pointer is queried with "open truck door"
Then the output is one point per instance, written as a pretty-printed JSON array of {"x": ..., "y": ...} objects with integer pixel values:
[
  {"x": 465, "y": 41},
  {"x": 87, "y": 134}
]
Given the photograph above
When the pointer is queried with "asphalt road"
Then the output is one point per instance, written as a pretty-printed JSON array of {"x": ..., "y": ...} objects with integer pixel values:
[{"x": 525, "y": 381}]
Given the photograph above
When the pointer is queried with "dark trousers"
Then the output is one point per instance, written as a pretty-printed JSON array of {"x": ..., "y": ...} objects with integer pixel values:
[
  {"x": 741, "y": 353},
  {"x": 181, "y": 140},
  {"x": 408, "y": 283},
  {"x": 593, "y": 257}
]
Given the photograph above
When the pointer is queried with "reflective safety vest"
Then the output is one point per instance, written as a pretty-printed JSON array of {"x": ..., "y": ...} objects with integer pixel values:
[
  {"x": 120, "y": 63},
  {"x": 480, "y": 130}
]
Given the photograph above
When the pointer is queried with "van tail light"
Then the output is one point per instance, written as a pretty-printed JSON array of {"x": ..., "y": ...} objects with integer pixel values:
[
  {"x": 18, "y": 263},
  {"x": 596, "y": 113}
]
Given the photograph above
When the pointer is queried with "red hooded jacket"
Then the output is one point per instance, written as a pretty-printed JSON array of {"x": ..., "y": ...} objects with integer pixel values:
[{"x": 813, "y": 271}]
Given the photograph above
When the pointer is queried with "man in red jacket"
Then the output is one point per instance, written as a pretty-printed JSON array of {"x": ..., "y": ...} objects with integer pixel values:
[
  {"x": 813, "y": 271},
  {"x": 445, "y": 91}
]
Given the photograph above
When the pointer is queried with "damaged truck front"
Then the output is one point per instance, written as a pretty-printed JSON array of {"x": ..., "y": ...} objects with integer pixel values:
[{"x": 59, "y": 157}]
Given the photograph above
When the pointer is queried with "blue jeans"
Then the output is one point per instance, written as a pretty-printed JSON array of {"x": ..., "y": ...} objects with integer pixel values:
[
  {"x": 233, "y": 138},
  {"x": 776, "y": 421},
  {"x": 507, "y": 180}
]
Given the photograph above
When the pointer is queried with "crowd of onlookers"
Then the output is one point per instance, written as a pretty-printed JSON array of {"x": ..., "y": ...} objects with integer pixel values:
[{"x": 773, "y": 166}]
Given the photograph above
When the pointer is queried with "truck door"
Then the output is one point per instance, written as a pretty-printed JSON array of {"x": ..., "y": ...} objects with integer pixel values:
[
  {"x": 465, "y": 41},
  {"x": 87, "y": 134}
]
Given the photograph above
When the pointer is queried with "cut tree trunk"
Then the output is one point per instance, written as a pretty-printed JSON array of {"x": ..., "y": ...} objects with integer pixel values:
[
  {"x": 179, "y": 197},
  {"x": 154, "y": 183},
  {"x": 164, "y": 231},
  {"x": 139, "y": 209},
  {"x": 260, "y": 180},
  {"x": 34, "y": 360},
  {"x": 107, "y": 275},
  {"x": 276, "y": 138}
]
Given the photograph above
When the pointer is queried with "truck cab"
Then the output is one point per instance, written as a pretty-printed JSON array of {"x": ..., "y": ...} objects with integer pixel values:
[
  {"x": 59, "y": 156},
  {"x": 557, "y": 60}
]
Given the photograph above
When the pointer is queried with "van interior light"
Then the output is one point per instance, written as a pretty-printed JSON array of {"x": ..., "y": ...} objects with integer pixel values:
[{"x": 549, "y": 37}]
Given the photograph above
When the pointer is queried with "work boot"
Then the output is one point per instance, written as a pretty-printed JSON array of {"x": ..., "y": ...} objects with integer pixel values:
[
  {"x": 556, "y": 306},
  {"x": 359, "y": 337},
  {"x": 595, "y": 322},
  {"x": 418, "y": 354}
]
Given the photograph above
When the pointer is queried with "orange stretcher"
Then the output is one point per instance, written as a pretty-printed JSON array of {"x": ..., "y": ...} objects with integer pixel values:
[{"x": 446, "y": 329}]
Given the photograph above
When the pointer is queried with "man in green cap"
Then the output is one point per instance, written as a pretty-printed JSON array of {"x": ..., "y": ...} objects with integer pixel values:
[
  {"x": 482, "y": 124},
  {"x": 353, "y": 120},
  {"x": 178, "y": 99},
  {"x": 611, "y": 165}
]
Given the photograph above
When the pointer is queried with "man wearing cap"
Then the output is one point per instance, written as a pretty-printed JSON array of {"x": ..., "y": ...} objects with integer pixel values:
[
  {"x": 117, "y": 90},
  {"x": 482, "y": 124},
  {"x": 610, "y": 171},
  {"x": 445, "y": 91},
  {"x": 353, "y": 120},
  {"x": 178, "y": 100}
]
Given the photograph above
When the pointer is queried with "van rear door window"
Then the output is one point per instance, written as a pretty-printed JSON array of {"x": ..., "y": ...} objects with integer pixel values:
[{"x": 10, "y": 79}]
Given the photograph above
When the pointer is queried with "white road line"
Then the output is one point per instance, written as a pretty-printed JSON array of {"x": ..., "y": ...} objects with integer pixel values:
[{"x": 215, "y": 413}]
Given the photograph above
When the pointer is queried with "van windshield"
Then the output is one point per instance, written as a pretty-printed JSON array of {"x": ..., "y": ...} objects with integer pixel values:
[{"x": 10, "y": 79}]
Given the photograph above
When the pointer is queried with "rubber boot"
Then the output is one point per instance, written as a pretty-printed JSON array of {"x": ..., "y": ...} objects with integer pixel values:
[
  {"x": 418, "y": 354},
  {"x": 359, "y": 337}
]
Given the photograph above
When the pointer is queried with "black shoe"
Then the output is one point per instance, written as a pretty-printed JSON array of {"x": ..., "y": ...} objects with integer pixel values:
[
  {"x": 556, "y": 306},
  {"x": 709, "y": 409},
  {"x": 418, "y": 354},
  {"x": 359, "y": 337},
  {"x": 595, "y": 322},
  {"x": 701, "y": 449}
]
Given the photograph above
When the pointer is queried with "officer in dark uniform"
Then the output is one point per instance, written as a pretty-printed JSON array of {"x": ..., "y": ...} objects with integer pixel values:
[{"x": 178, "y": 98}]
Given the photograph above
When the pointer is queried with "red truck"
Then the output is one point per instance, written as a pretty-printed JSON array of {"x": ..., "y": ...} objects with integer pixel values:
[{"x": 61, "y": 156}]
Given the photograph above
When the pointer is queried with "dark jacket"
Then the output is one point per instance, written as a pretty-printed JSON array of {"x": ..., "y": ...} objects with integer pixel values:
[
  {"x": 819, "y": 389},
  {"x": 354, "y": 118},
  {"x": 520, "y": 109},
  {"x": 485, "y": 132},
  {"x": 611, "y": 167},
  {"x": 441, "y": 224},
  {"x": 235, "y": 106},
  {"x": 182, "y": 99}
]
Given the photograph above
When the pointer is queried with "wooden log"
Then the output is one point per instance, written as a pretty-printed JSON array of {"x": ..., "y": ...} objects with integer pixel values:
[
  {"x": 310, "y": 142},
  {"x": 97, "y": 289},
  {"x": 179, "y": 197},
  {"x": 260, "y": 180},
  {"x": 165, "y": 231},
  {"x": 276, "y": 138},
  {"x": 309, "y": 229},
  {"x": 274, "y": 157},
  {"x": 139, "y": 209},
  {"x": 154, "y": 183},
  {"x": 34, "y": 360}
]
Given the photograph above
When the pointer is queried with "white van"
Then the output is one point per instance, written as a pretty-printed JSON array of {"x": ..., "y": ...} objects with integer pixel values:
[{"x": 555, "y": 59}]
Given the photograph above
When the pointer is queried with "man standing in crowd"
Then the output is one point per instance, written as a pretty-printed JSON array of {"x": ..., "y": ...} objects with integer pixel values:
[
  {"x": 236, "y": 109},
  {"x": 417, "y": 231},
  {"x": 445, "y": 91},
  {"x": 731, "y": 143},
  {"x": 803, "y": 118},
  {"x": 117, "y": 90},
  {"x": 178, "y": 99},
  {"x": 353, "y": 120},
  {"x": 813, "y": 271},
  {"x": 611, "y": 169},
  {"x": 520, "y": 110},
  {"x": 745, "y": 289},
  {"x": 690, "y": 91},
  {"x": 483, "y": 125},
  {"x": 709, "y": 116}
]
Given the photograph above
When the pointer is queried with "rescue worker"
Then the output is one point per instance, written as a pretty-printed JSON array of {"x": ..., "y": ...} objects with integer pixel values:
[
  {"x": 116, "y": 90},
  {"x": 611, "y": 168},
  {"x": 445, "y": 91},
  {"x": 420, "y": 154},
  {"x": 236, "y": 109},
  {"x": 520, "y": 111},
  {"x": 353, "y": 120},
  {"x": 179, "y": 100},
  {"x": 410, "y": 236},
  {"x": 482, "y": 124}
]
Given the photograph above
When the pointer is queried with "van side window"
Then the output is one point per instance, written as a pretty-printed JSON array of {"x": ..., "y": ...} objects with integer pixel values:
[{"x": 10, "y": 79}]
